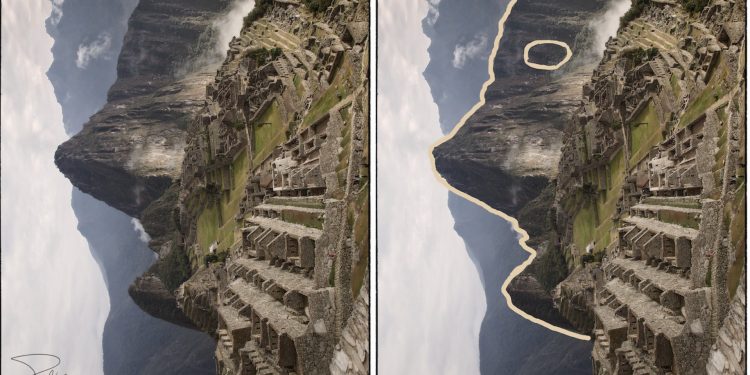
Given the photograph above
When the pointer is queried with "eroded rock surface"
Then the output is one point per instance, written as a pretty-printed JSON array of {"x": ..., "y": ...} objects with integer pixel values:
[{"x": 130, "y": 151}]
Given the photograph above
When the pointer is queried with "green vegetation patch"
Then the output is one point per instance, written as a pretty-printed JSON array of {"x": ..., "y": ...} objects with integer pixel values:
[
  {"x": 268, "y": 132},
  {"x": 607, "y": 203},
  {"x": 694, "y": 6},
  {"x": 722, "y": 113},
  {"x": 645, "y": 132},
  {"x": 215, "y": 258},
  {"x": 737, "y": 235},
  {"x": 174, "y": 269},
  {"x": 339, "y": 89},
  {"x": 639, "y": 55},
  {"x": 673, "y": 202},
  {"x": 343, "y": 166},
  {"x": 684, "y": 219},
  {"x": 346, "y": 113},
  {"x": 675, "y": 83},
  {"x": 264, "y": 55},
  {"x": 593, "y": 221},
  {"x": 208, "y": 226},
  {"x": 317, "y": 6},
  {"x": 261, "y": 6},
  {"x": 361, "y": 237},
  {"x": 714, "y": 91},
  {"x": 308, "y": 219},
  {"x": 720, "y": 157},
  {"x": 297, "y": 202},
  {"x": 298, "y": 86},
  {"x": 584, "y": 223},
  {"x": 216, "y": 222},
  {"x": 634, "y": 12}
]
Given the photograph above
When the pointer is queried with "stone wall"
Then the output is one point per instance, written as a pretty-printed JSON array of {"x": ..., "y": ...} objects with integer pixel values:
[
  {"x": 352, "y": 353},
  {"x": 728, "y": 354}
]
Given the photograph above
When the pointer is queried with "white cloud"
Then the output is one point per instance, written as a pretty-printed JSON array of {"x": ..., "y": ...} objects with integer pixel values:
[
  {"x": 230, "y": 24},
  {"x": 56, "y": 13},
  {"x": 473, "y": 49},
  {"x": 432, "y": 12},
  {"x": 94, "y": 50},
  {"x": 431, "y": 300},
  {"x": 54, "y": 298},
  {"x": 138, "y": 227},
  {"x": 606, "y": 26},
  {"x": 224, "y": 27}
]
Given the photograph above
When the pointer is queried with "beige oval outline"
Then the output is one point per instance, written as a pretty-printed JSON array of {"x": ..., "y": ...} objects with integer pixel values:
[
  {"x": 514, "y": 223},
  {"x": 529, "y": 46}
]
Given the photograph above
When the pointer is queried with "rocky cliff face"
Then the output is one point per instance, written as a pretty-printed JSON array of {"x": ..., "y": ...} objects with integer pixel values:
[
  {"x": 648, "y": 207},
  {"x": 130, "y": 151},
  {"x": 514, "y": 140}
]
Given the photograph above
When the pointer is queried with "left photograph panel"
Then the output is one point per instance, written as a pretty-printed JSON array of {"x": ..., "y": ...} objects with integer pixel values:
[{"x": 185, "y": 187}]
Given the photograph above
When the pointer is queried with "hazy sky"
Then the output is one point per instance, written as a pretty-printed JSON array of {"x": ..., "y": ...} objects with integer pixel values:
[
  {"x": 54, "y": 299},
  {"x": 431, "y": 300}
]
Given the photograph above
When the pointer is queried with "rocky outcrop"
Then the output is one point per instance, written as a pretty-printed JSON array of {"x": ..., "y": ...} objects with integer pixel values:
[
  {"x": 197, "y": 297},
  {"x": 530, "y": 296},
  {"x": 154, "y": 298},
  {"x": 130, "y": 151}
]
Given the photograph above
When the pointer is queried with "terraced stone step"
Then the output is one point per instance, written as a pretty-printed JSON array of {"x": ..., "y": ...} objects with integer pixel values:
[
  {"x": 233, "y": 320},
  {"x": 658, "y": 318},
  {"x": 269, "y": 39},
  {"x": 271, "y": 26},
  {"x": 307, "y": 216},
  {"x": 664, "y": 38},
  {"x": 309, "y": 201},
  {"x": 257, "y": 360},
  {"x": 287, "y": 281},
  {"x": 272, "y": 33},
  {"x": 656, "y": 226},
  {"x": 254, "y": 38},
  {"x": 282, "y": 319},
  {"x": 662, "y": 280},
  {"x": 656, "y": 208},
  {"x": 280, "y": 226},
  {"x": 657, "y": 30},
  {"x": 612, "y": 331},
  {"x": 281, "y": 67},
  {"x": 286, "y": 245},
  {"x": 682, "y": 216}
]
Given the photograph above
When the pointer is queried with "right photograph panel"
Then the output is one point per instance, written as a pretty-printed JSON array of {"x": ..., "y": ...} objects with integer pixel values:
[{"x": 561, "y": 187}]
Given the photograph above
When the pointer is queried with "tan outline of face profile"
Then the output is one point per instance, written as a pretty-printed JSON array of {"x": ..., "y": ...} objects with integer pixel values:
[
  {"x": 523, "y": 235},
  {"x": 568, "y": 54}
]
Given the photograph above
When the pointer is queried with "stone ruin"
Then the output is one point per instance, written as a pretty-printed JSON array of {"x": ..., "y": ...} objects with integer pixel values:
[
  {"x": 283, "y": 302},
  {"x": 661, "y": 295}
]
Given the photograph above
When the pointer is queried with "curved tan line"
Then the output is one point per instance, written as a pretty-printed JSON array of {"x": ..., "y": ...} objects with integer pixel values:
[
  {"x": 568, "y": 54},
  {"x": 524, "y": 236}
]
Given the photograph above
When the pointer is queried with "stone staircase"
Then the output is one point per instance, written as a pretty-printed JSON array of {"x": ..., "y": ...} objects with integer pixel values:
[
  {"x": 641, "y": 307},
  {"x": 291, "y": 289},
  {"x": 253, "y": 362}
]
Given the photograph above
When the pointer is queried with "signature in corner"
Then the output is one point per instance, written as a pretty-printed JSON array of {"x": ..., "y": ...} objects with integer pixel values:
[{"x": 51, "y": 362}]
